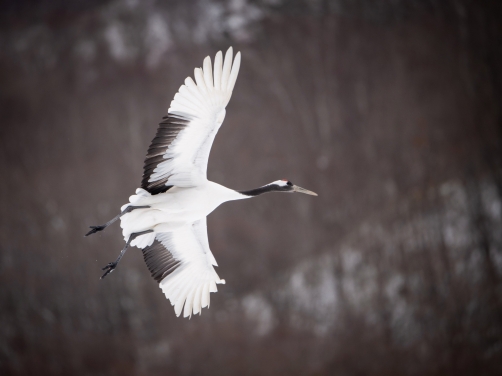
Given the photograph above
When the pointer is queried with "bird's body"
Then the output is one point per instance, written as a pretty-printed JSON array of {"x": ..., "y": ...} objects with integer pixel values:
[
  {"x": 171, "y": 210},
  {"x": 166, "y": 217}
]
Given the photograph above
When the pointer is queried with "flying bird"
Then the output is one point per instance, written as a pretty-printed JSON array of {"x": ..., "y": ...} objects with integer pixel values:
[{"x": 166, "y": 217}]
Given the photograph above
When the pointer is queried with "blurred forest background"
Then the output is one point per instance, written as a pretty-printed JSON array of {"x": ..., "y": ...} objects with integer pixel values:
[{"x": 390, "y": 110}]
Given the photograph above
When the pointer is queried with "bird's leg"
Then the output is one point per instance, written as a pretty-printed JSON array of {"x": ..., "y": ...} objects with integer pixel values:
[
  {"x": 125, "y": 211},
  {"x": 112, "y": 265}
]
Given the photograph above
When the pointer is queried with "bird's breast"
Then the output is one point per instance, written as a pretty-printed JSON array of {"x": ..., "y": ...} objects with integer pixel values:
[{"x": 190, "y": 203}]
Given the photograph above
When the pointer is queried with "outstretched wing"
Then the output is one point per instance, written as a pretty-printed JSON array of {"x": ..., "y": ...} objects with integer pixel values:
[
  {"x": 182, "y": 263},
  {"x": 178, "y": 154}
]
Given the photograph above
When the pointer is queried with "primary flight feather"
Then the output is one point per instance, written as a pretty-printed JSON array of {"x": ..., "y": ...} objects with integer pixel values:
[{"x": 166, "y": 217}]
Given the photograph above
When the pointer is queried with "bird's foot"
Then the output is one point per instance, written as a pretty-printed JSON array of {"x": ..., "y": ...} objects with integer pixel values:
[
  {"x": 109, "y": 268},
  {"x": 95, "y": 229}
]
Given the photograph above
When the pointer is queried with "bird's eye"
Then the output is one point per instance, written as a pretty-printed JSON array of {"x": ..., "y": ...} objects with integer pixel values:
[{"x": 289, "y": 183}]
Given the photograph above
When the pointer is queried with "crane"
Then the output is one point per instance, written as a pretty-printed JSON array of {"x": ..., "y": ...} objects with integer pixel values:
[{"x": 166, "y": 217}]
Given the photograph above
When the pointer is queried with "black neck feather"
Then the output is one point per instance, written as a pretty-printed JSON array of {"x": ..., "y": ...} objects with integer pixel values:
[{"x": 259, "y": 191}]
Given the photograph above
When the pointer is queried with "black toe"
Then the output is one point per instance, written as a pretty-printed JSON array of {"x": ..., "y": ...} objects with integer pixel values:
[
  {"x": 95, "y": 229},
  {"x": 109, "y": 268}
]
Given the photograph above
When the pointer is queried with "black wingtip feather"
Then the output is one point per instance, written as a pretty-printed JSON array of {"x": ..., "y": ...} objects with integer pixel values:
[
  {"x": 159, "y": 261},
  {"x": 168, "y": 130}
]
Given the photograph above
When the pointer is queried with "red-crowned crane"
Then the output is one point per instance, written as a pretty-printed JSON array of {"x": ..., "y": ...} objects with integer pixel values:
[{"x": 166, "y": 217}]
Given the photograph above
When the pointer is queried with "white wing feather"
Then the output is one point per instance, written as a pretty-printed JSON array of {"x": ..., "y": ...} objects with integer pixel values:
[
  {"x": 190, "y": 284},
  {"x": 203, "y": 102}
]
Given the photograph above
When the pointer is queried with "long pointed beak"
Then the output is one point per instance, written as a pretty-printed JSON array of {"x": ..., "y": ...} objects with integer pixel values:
[{"x": 303, "y": 190}]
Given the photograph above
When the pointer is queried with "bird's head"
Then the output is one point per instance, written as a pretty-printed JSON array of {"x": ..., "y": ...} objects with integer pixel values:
[{"x": 285, "y": 185}]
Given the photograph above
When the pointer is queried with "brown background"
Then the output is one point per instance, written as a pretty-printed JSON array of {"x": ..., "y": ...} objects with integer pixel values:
[{"x": 390, "y": 110}]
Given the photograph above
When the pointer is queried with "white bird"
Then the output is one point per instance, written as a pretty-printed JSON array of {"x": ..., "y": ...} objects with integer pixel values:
[{"x": 166, "y": 217}]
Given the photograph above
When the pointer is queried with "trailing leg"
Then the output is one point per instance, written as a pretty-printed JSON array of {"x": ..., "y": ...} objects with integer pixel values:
[
  {"x": 125, "y": 211},
  {"x": 112, "y": 265}
]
